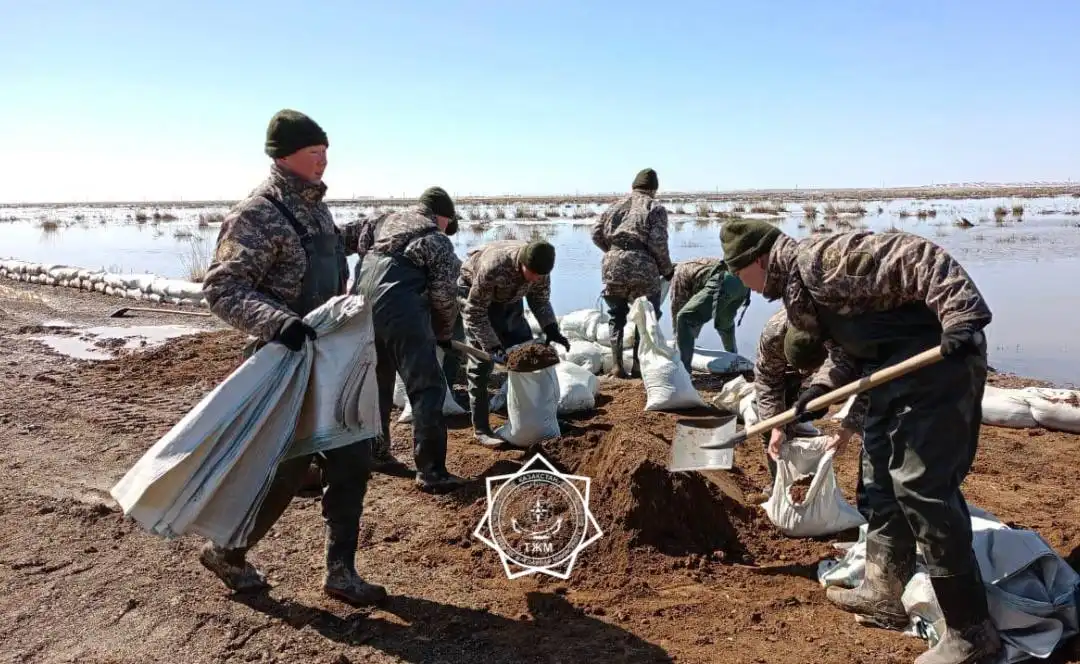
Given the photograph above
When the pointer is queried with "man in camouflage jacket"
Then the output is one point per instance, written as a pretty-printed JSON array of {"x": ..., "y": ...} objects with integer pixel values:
[
  {"x": 410, "y": 276},
  {"x": 494, "y": 279},
  {"x": 278, "y": 257},
  {"x": 881, "y": 298},
  {"x": 633, "y": 234},
  {"x": 703, "y": 290}
]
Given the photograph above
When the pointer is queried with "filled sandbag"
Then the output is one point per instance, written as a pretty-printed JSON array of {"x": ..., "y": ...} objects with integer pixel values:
[
  {"x": 532, "y": 401},
  {"x": 586, "y": 354},
  {"x": 823, "y": 510},
  {"x": 719, "y": 362},
  {"x": 667, "y": 383},
  {"x": 1055, "y": 409},
  {"x": 578, "y": 388},
  {"x": 1006, "y": 408}
]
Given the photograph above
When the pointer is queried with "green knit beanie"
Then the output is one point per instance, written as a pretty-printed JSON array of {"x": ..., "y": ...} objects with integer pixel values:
[
  {"x": 290, "y": 131},
  {"x": 803, "y": 350},
  {"x": 646, "y": 180},
  {"x": 436, "y": 201},
  {"x": 538, "y": 256},
  {"x": 744, "y": 241}
]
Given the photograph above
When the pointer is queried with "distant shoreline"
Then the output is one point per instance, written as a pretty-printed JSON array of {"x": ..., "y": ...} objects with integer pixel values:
[{"x": 952, "y": 192}]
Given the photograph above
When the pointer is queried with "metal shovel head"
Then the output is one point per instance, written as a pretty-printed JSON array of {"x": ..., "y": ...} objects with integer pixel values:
[{"x": 686, "y": 451}]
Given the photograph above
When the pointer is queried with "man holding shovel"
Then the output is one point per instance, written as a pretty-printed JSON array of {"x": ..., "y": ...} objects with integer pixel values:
[
  {"x": 278, "y": 257},
  {"x": 494, "y": 280},
  {"x": 410, "y": 277},
  {"x": 633, "y": 234},
  {"x": 703, "y": 290},
  {"x": 883, "y": 298}
]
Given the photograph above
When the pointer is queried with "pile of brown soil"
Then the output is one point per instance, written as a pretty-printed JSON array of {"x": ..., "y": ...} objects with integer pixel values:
[
  {"x": 205, "y": 359},
  {"x": 531, "y": 357},
  {"x": 799, "y": 489}
]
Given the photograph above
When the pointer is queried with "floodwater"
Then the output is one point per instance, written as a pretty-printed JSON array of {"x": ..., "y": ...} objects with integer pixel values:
[
  {"x": 102, "y": 343},
  {"x": 1027, "y": 268}
]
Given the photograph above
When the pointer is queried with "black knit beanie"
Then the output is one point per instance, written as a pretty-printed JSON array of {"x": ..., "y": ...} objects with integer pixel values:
[
  {"x": 646, "y": 180},
  {"x": 436, "y": 201},
  {"x": 290, "y": 131}
]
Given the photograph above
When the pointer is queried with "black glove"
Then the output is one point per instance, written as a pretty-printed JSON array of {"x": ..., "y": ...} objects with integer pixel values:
[
  {"x": 498, "y": 355},
  {"x": 292, "y": 333},
  {"x": 445, "y": 345},
  {"x": 808, "y": 395},
  {"x": 958, "y": 342},
  {"x": 552, "y": 334}
]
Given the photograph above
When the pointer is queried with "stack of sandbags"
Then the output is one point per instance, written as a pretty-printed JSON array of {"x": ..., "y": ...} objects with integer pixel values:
[{"x": 130, "y": 286}]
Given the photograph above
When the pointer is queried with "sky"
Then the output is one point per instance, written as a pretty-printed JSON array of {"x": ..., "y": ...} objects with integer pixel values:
[{"x": 144, "y": 100}]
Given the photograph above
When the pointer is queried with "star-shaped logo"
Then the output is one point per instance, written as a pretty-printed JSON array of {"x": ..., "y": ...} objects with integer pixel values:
[{"x": 538, "y": 519}]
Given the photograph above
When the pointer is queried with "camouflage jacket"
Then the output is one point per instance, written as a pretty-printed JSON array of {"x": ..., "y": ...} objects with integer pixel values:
[
  {"x": 259, "y": 262},
  {"x": 633, "y": 234},
  {"x": 359, "y": 235},
  {"x": 492, "y": 275},
  {"x": 690, "y": 277},
  {"x": 407, "y": 232},
  {"x": 860, "y": 272},
  {"x": 771, "y": 367}
]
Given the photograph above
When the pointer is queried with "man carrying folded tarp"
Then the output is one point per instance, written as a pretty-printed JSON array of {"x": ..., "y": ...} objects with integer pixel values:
[
  {"x": 882, "y": 298},
  {"x": 633, "y": 235},
  {"x": 278, "y": 257},
  {"x": 410, "y": 277},
  {"x": 703, "y": 290},
  {"x": 494, "y": 279}
]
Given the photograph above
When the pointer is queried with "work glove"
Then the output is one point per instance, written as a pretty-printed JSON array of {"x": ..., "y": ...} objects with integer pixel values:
[
  {"x": 958, "y": 342},
  {"x": 805, "y": 397},
  {"x": 552, "y": 334},
  {"x": 498, "y": 355},
  {"x": 292, "y": 334}
]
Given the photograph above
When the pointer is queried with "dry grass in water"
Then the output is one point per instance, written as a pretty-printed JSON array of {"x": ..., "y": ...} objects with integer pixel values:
[
  {"x": 141, "y": 217},
  {"x": 703, "y": 210},
  {"x": 810, "y": 210},
  {"x": 1016, "y": 239},
  {"x": 182, "y": 233},
  {"x": 923, "y": 214},
  {"x": 689, "y": 243},
  {"x": 739, "y": 208},
  {"x": 880, "y": 210},
  {"x": 207, "y": 218},
  {"x": 500, "y": 213},
  {"x": 1000, "y": 212},
  {"x": 770, "y": 209},
  {"x": 197, "y": 258},
  {"x": 891, "y": 229},
  {"x": 702, "y": 223},
  {"x": 49, "y": 225},
  {"x": 506, "y": 233},
  {"x": 1018, "y": 210}
]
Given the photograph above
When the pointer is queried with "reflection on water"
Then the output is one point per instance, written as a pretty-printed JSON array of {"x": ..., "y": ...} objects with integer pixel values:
[{"x": 1026, "y": 267}]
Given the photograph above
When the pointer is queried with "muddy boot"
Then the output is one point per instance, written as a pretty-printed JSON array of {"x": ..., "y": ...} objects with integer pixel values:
[
  {"x": 232, "y": 568},
  {"x": 617, "y": 368},
  {"x": 341, "y": 580},
  {"x": 479, "y": 408},
  {"x": 440, "y": 481},
  {"x": 635, "y": 368},
  {"x": 382, "y": 461},
  {"x": 876, "y": 601},
  {"x": 970, "y": 636}
]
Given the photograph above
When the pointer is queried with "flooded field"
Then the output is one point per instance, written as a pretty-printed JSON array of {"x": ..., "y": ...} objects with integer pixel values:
[{"x": 1024, "y": 253}]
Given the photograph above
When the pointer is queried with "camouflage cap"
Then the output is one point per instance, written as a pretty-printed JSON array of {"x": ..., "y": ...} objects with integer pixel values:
[
  {"x": 539, "y": 256},
  {"x": 803, "y": 350},
  {"x": 745, "y": 240},
  {"x": 646, "y": 180}
]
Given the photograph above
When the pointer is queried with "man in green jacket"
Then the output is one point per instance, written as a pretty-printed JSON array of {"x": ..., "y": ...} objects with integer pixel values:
[{"x": 703, "y": 290}]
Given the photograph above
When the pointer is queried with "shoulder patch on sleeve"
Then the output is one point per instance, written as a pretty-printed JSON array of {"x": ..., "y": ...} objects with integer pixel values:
[{"x": 859, "y": 264}]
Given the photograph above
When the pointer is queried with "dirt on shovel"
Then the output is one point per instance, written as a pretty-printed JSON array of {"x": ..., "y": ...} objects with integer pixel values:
[{"x": 531, "y": 357}]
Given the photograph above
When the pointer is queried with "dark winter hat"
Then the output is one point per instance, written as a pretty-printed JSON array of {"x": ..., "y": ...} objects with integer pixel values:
[
  {"x": 744, "y": 241},
  {"x": 290, "y": 131},
  {"x": 436, "y": 201},
  {"x": 539, "y": 257},
  {"x": 803, "y": 350},
  {"x": 646, "y": 179}
]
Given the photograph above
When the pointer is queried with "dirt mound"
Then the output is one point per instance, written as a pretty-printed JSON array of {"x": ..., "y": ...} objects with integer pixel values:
[
  {"x": 205, "y": 358},
  {"x": 531, "y": 357}
]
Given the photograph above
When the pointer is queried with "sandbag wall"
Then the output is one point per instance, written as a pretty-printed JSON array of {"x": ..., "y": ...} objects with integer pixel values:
[{"x": 148, "y": 287}]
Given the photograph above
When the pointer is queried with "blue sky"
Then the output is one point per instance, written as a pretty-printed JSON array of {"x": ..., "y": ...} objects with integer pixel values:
[{"x": 111, "y": 100}]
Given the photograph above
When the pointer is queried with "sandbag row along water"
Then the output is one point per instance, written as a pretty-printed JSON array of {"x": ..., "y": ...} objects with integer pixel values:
[{"x": 148, "y": 287}]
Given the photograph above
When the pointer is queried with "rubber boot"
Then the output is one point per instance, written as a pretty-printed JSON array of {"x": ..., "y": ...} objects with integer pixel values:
[
  {"x": 341, "y": 580},
  {"x": 617, "y": 368},
  {"x": 876, "y": 601},
  {"x": 480, "y": 409},
  {"x": 383, "y": 461},
  {"x": 439, "y": 481},
  {"x": 806, "y": 430},
  {"x": 970, "y": 636},
  {"x": 635, "y": 368},
  {"x": 232, "y": 567}
]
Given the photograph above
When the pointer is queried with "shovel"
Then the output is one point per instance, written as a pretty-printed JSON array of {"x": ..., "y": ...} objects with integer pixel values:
[
  {"x": 119, "y": 313},
  {"x": 923, "y": 359},
  {"x": 475, "y": 353},
  {"x": 690, "y": 452}
]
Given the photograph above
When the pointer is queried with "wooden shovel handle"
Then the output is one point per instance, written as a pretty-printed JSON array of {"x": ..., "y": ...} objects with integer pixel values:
[
  {"x": 923, "y": 359},
  {"x": 469, "y": 350}
]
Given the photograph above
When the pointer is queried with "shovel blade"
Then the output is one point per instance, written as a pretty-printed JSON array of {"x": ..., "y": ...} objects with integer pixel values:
[{"x": 686, "y": 451}]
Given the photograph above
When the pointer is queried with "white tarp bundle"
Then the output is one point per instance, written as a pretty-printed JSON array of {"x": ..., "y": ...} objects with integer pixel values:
[
  {"x": 667, "y": 383},
  {"x": 1051, "y": 408},
  {"x": 1030, "y": 589},
  {"x": 823, "y": 511},
  {"x": 209, "y": 474}
]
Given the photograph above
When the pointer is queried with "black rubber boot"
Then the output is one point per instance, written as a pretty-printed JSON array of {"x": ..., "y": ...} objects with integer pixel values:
[
  {"x": 341, "y": 580},
  {"x": 383, "y": 461},
  {"x": 635, "y": 368},
  {"x": 231, "y": 566},
  {"x": 617, "y": 368},
  {"x": 439, "y": 481},
  {"x": 876, "y": 601},
  {"x": 970, "y": 636},
  {"x": 480, "y": 407}
]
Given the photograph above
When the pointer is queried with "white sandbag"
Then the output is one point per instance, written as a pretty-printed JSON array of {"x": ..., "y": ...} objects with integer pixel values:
[
  {"x": 578, "y": 388},
  {"x": 115, "y": 281},
  {"x": 667, "y": 383},
  {"x": 534, "y": 324},
  {"x": 133, "y": 294},
  {"x": 582, "y": 324},
  {"x": 63, "y": 273},
  {"x": 50, "y": 281},
  {"x": 732, "y": 393},
  {"x": 1006, "y": 408},
  {"x": 100, "y": 287},
  {"x": 154, "y": 297},
  {"x": 181, "y": 289},
  {"x": 532, "y": 402},
  {"x": 1055, "y": 409},
  {"x": 719, "y": 362},
  {"x": 586, "y": 354},
  {"x": 824, "y": 510},
  {"x": 450, "y": 405}
]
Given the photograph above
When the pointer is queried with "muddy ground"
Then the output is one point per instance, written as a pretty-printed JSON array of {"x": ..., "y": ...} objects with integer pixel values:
[{"x": 681, "y": 573}]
